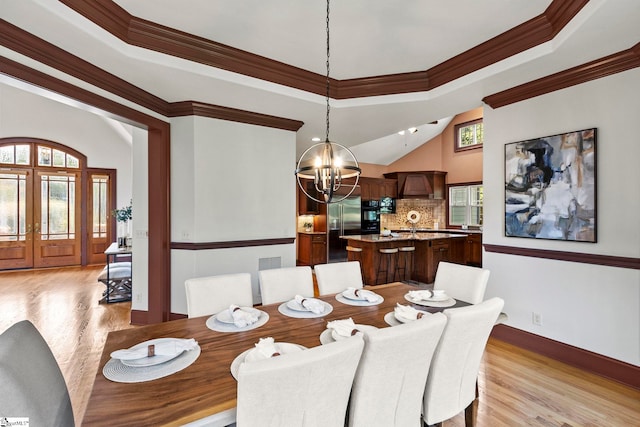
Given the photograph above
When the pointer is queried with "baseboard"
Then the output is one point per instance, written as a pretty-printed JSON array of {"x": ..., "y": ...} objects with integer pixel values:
[
  {"x": 598, "y": 364},
  {"x": 139, "y": 317}
]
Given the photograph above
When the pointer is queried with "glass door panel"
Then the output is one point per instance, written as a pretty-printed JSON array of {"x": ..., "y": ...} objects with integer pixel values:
[
  {"x": 57, "y": 220},
  {"x": 16, "y": 250},
  {"x": 99, "y": 215}
]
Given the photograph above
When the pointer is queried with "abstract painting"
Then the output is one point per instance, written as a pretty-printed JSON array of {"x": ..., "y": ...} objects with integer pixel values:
[{"x": 550, "y": 187}]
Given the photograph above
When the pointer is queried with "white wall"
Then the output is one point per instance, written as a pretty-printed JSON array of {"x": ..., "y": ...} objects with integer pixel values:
[
  {"x": 229, "y": 181},
  {"x": 140, "y": 222},
  {"x": 105, "y": 142},
  {"x": 592, "y": 307}
]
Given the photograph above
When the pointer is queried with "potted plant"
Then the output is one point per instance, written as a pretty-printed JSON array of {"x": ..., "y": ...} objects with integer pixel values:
[
  {"x": 308, "y": 226},
  {"x": 123, "y": 216}
]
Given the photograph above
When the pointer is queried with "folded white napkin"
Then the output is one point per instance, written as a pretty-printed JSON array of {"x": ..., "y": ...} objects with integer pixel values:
[
  {"x": 420, "y": 295},
  {"x": 242, "y": 317},
  {"x": 407, "y": 312},
  {"x": 345, "y": 327},
  {"x": 310, "y": 304},
  {"x": 267, "y": 347},
  {"x": 364, "y": 294},
  {"x": 164, "y": 348}
]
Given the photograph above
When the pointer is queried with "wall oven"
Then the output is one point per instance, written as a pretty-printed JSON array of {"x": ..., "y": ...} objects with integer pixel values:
[{"x": 370, "y": 221}]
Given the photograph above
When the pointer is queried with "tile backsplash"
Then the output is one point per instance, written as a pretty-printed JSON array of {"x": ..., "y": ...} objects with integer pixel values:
[{"x": 431, "y": 212}]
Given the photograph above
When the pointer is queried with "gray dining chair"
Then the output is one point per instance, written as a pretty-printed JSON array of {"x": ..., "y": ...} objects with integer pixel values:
[
  {"x": 462, "y": 282},
  {"x": 32, "y": 384},
  {"x": 338, "y": 276},
  {"x": 307, "y": 388},
  {"x": 451, "y": 384},
  {"x": 283, "y": 284},
  {"x": 213, "y": 294},
  {"x": 392, "y": 374}
]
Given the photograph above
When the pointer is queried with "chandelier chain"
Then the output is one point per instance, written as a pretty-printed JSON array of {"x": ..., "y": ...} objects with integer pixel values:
[{"x": 327, "y": 88}]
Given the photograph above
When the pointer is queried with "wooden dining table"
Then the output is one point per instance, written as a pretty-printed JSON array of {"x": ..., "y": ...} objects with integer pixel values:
[{"x": 207, "y": 387}]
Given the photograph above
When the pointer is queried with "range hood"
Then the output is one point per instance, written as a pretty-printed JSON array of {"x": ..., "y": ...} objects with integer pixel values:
[{"x": 419, "y": 184}]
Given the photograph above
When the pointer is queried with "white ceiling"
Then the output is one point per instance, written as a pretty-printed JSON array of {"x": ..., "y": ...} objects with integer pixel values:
[{"x": 368, "y": 38}]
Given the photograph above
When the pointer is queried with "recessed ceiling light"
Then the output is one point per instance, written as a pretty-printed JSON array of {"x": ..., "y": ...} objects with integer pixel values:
[
  {"x": 316, "y": 139},
  {"x": 401, "y": 132}
]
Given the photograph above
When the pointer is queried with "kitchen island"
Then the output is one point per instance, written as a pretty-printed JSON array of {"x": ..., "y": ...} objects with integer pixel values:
[{"x": 430, "y": 249}]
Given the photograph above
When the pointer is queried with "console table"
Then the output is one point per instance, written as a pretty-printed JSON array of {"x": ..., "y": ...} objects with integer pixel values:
[{"x": 116, "y": 275}]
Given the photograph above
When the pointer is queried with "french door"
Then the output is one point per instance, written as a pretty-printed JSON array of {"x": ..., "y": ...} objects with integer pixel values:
[{"x": 39, "y": 218}]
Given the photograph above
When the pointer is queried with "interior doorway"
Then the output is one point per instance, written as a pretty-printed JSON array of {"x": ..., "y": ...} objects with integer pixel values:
[{"x": 48, "y": 203}]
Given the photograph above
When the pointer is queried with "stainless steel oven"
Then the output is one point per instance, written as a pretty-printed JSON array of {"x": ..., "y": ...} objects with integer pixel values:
[{"x": 370, "y": 212}]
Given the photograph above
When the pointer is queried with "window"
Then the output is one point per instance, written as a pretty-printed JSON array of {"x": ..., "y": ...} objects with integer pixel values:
[
  {"x": 465, "y": 205},
  {"x": 469, "y": 135}
]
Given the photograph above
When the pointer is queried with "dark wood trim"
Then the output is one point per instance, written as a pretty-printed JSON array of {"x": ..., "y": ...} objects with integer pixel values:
[
  {"x": 42, "y": 51},
  {"x": 139, "y": 317},
  {"x": 456, "y": 136},
  {"x": 598, "y": 364},
  {"x": 585, "y": 258},
  {"x": 194, "y": 108},
  {"x": 603, "y": 67},
  {"x": 139, "y": 32},
  {"x": 231, "y": 244}
]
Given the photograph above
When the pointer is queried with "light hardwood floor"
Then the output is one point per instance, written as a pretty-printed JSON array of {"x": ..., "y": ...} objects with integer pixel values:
[{"x": 517, "y": 387}]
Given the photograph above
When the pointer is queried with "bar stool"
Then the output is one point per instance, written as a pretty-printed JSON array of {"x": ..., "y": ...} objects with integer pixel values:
[
  {"x": 405, "y": 261},
  {"x": 384, "y": 265},
  {"x": 355, "y": 254}
]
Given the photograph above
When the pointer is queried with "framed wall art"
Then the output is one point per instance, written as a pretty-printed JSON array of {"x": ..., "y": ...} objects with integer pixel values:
[{"x": 550, "y": 187}]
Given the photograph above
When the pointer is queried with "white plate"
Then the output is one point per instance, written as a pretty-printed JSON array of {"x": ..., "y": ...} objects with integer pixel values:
[
  {"x": 225, "y": 316},
  {"x": 252, "y": 355},
  {"x": 216, "y": 325},
  {"x": 295, "y": 305},
  {"x": 405, "y": 320},
  {"x": 351, "y": 294},
  {"x": 328, "y": 335},
  {"x": 149, "y": 361},
  {"x": 391, "y": 320},
  {"x": 306, "y": 314},
  {"x": 448, "y": 302}
]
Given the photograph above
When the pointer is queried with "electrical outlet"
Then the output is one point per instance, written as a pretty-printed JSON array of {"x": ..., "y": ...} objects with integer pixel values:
[
  {"x": 185, "y": 235},
  {"x": 536, "y": 318}
]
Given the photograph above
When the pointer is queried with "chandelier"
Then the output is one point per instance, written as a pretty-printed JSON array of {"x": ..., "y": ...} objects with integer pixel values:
[{"x": 328, "y": 164}]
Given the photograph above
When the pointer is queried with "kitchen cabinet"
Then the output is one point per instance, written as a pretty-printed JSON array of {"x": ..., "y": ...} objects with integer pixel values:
[
  {"x": 312, "y": 248},
  {"x": 473, "y": 250},
  {"x": 307, "y": 206},
  {"x": 376, "y": 188},
  {"x": 438, "y": 251}
]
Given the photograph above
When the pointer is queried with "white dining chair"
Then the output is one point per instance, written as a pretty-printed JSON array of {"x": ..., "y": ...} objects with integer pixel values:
[
  {"x": 462, "y": 282},
  {"x": 307, "y": 388},
  {"x": 283, "y": 284},
  {"x": 338, "y": 276},
  {"x": 32, "y": 384},
  {"x": 212, "y": 294},
  {"x": 392, "y": 374},
  {"x": 451, "y": 383}
]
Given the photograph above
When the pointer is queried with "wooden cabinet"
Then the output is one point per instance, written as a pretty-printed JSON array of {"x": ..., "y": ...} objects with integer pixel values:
[
  {"x": 307, "y": 206},
  {"x": 312, "y": 249},
  {"x": 473, "y": 250},
  {"x": 376, "y": 188},
  {"x": 438, "y": 251}
]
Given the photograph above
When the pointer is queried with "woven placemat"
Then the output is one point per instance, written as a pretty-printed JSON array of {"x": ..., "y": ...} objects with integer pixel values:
[{"x": 116, "y": 371}]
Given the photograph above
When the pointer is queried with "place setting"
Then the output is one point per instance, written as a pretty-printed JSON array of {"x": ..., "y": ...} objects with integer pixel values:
[
  {"x": 305, "y": 307},
  {"x": 359, "y": 297},
  {"x": 427, "y": 298},
  {"x": 342, "y": 329},
  {"x": 265, "y": 348},
  {"x": 151, "y": 360},
  {"x": 404, "y": 314},
  {"x": 237, "y": 319}
]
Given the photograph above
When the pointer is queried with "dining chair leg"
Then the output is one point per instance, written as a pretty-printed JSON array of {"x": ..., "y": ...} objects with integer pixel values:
[{"x": 470, "y": 413}]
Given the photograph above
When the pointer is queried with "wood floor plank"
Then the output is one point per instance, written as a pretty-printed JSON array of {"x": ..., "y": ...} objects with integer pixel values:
[{"x": 517, "y": 387}]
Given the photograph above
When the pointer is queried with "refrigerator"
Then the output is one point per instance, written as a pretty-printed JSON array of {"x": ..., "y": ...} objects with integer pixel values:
[{"x": 343, "y": 219}]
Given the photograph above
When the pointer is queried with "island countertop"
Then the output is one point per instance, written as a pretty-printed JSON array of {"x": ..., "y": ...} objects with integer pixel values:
[{"x": 397, "y": 237}]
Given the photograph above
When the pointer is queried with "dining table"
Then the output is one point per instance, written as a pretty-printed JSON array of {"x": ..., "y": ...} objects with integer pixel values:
[{"x": 206, "y": 387}]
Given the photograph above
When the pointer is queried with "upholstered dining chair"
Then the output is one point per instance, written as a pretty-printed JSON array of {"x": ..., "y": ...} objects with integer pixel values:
[
  {"x": 451, "y": 383},
  {"x": 462, "y": 282},
  {"x": 212, "y": 294},
  {"x": 308, "y": 388},
  {"x": 282, "y": 284},
  {"x": 338, "y": 276},
  {"x": 392, "y": 374},
  {"x": 32, "y": 384}
]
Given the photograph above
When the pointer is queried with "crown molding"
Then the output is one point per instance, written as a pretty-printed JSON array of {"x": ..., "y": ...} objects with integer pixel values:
[
  {"x": 194, "y": 108},
  {"x": 603, "y": 67},
  {"x": 146, "y": 34}
]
